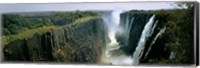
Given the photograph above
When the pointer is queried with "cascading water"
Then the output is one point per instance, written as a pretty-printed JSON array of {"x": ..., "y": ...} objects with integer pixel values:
[
  {"x": 146, "y": 33},
  {"x": 155, "y": 38},
  {"x": 113, "y": 55},
  {"x": 127, "y": 29}
]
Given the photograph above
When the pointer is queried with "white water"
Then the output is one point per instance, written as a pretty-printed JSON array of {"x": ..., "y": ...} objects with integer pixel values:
[
  {"x": 127, "y": 29},
  {"x": 152, "y": 30},
  {"x": 154, "y": 40},
  {"x": 141, "y": 44},
  {"x": 112, "y": 54}
]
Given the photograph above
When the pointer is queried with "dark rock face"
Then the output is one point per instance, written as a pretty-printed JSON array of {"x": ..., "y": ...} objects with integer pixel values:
[
  {"x": 139, "y": 22},
  {"x": 72, "y": 44}
]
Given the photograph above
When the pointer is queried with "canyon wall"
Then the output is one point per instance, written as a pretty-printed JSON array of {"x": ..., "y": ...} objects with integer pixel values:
[
  {"x": 78, "y": 43},
  {"x": 140, "y": 19}
]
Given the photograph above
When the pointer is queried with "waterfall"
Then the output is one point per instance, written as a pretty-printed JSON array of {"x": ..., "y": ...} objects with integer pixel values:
[
  {"x": 141, "y": 44},
  {"x": 114, "y": 27},
  {"x": 113, "y": 55},
  {"x": 152, "y": 30},
  {"x": 128, "y": 29},
  {"x": 154, "y": 40}
]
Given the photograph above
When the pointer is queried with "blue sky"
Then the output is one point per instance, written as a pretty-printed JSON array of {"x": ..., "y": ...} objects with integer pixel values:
[{"x": 85, "y": 6}]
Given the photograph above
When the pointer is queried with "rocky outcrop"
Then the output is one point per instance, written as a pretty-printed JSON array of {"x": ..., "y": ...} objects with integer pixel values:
[{"x": 76, "y": 43}]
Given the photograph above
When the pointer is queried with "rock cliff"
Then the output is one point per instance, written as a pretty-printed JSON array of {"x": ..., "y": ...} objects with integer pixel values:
[{"x": 76, "y": 43}]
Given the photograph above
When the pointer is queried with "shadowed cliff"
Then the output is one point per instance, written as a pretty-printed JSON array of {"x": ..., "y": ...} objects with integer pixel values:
[{"x": 173, "y": 46}]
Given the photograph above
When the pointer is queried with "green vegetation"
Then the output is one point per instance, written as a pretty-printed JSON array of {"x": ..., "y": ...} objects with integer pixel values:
[
  {"x": 27, "y": 34},
  {"x": 14, "y": 24},
  {"x": 25, "y": 27},
  {"x": 179, "y": 35},
  {"x": 85, "y": 19},
  {"x": 180, "y": 32},
  {"x": 81, "y": 20},
  {"x": 69, "y": 17},
  {"x": 17, "y": 23}
]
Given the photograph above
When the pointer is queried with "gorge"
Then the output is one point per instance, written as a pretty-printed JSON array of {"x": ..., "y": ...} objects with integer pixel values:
[
  {"x": 114, "y": 37},
  {"x": 131, "y": 29}
]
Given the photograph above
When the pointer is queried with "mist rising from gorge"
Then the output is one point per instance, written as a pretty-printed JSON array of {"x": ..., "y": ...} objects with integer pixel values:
[{"x": 112, "y": 54}]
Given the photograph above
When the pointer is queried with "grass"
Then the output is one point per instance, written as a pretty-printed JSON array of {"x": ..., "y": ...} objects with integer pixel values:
[
  {"x": 85, "y": 19},
  {"x": 41, "y": 30},
  {"x": 27, "y": 34},
  {"x": 81, "y": 21}
]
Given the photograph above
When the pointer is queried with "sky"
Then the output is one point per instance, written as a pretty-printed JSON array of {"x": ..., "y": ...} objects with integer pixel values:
[{"x": 22, "y": 7}]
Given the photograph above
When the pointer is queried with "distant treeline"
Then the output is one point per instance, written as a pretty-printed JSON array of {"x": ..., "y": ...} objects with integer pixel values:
[{"x": 15, "y": 23}]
